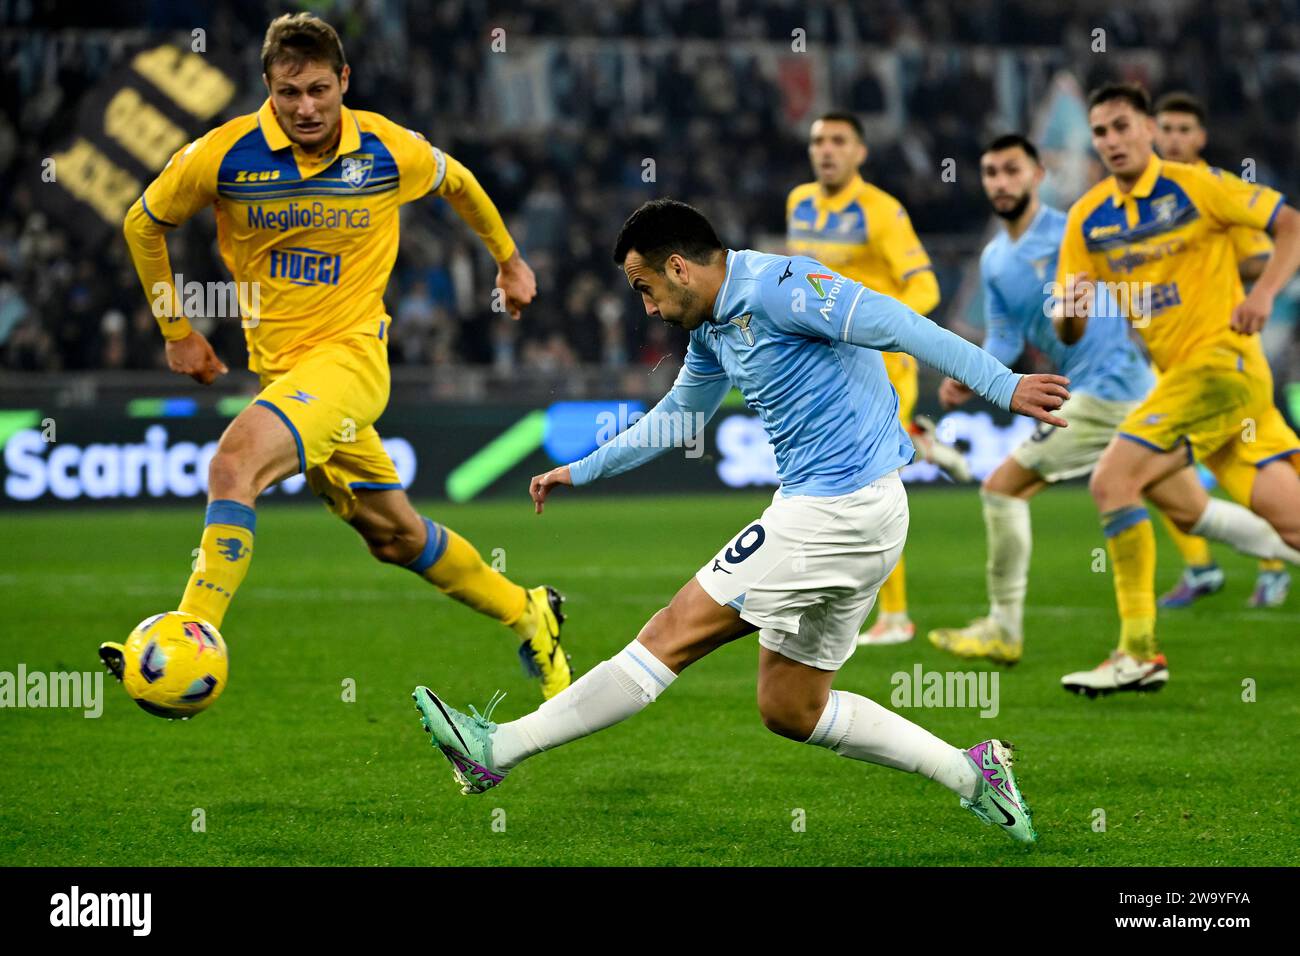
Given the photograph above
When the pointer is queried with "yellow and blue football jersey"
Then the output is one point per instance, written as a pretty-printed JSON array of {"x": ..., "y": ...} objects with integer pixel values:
[
  {"x": 318, "y": 235},
  {"x": 1170, "y": 239}
]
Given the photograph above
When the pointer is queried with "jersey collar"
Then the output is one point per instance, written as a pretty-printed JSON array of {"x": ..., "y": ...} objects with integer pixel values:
[
  {"x": 722, "y": 292},
  {"x": 349, "y": 140},
  {"x": 1142, "y": 188},
  {"x": 843, "y": 196}
]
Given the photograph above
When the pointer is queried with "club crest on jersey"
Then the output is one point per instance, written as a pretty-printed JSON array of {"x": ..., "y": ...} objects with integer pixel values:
[
  {"x": 356, "y": 169},
  {"x": 1164, "y": 208},
  {"x": 742, "y": 323}
]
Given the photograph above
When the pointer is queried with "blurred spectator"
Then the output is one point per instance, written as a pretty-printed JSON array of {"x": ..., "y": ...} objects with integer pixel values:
[{"x": 597, "y": 105}]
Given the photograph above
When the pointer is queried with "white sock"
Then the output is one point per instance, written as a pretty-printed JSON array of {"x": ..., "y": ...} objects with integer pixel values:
[
  {"x": 611, "y": 691},
  {"x": 1246, "y": 531},
  {"x": 1006, "y": 521},
  {"x": 854, "y": 726}
]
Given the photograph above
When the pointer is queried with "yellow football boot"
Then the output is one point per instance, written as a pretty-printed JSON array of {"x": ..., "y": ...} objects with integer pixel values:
[
  {"x": 541, "y": 653},
  {"x": 983, "y": 637}
]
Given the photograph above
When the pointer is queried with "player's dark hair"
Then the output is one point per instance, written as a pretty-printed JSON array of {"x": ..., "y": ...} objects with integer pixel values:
[
  {"x": 1014, "y": 141},
  {"x": 844, "y": 116},
  {"x": 1132, "y": 93},
  {"x": 662, "y": 227},
  {"x": 1181, "y": 101},
  {"x": 297, "y": 39}
]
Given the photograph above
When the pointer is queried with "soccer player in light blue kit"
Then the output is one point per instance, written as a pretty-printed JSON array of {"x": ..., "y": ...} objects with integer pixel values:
[
  {"x": 801, "y": 343},
  {"x": 1107, "y": 372}
]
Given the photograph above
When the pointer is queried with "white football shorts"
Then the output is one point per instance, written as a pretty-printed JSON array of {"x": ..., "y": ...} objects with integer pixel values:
[
  {"x": 807, "y": 571},
  {"x": 1060, "y": 453}
]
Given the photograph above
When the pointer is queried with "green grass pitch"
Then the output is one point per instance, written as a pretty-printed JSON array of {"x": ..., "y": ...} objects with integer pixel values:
[{"x": 286, "y": 772}]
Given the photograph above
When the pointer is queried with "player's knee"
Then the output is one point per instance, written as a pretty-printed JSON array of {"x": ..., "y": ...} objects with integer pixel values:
[
  {"x": 394, "y": 545},
  {"x": 1106, "y": 490},
  {"x": 229, "y": 478},
  {"x": 786, "y": 717}
]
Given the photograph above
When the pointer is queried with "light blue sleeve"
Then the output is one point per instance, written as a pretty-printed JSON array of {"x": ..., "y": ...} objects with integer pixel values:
[
  {"x": 850, "y": 312},
  {"x": 677, "y": 419},
  {"x": 1004, "y": 339}
]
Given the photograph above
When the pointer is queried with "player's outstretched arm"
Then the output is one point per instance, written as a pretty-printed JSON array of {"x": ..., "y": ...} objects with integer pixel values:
[{"x": 676, "y": 421}]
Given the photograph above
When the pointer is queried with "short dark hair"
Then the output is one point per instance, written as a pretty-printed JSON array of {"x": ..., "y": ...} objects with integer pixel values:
[
  {"x": 662, "y": 227},
  {"x": 1012, "y": 141},
  {"x": 1132, "y": 93},
  {"x": 844, "y": 116},
  {"x": 301, "y": 38},
  {"x": 1181, "y": 101}
]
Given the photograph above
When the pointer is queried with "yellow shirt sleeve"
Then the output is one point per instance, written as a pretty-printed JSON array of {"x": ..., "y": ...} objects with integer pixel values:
[
  {"x": 472, "y": 204},
  {"x": 1233, "y": 202},
  {"x": 187, "y": 183},
  {"x": 1249, "y": 243},
  {"x": 909, "y": 263},
  {"x": 422, "y": 168}
]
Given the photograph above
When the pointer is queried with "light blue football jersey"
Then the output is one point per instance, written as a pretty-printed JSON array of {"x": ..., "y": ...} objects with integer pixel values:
[{"x": 802, "y": 344}]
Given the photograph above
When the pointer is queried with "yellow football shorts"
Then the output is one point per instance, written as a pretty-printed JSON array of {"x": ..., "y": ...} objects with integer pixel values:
[
  {"x": 901, "y": 369},
  {"x": 330, "y": 400},
  {"x": 1221, "y": 410}
]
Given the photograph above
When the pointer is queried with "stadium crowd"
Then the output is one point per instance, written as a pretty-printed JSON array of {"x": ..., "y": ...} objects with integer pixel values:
[{"x": 570, "y": 123}]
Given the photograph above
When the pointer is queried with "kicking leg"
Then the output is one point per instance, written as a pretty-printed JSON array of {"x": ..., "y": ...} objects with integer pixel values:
[
  {"x": 256, "y": 450},
  {"x": 482, "y": 752},
  {"x": 796, "y": 701}
]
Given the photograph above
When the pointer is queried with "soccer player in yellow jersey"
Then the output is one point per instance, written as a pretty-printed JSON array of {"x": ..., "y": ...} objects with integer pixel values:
[
  {"x": 864, "y": 233},
  {"x": 1158, "y": 233},
  {"x": 306, "y": 194},
  {"x": 1180, "y": 136}
]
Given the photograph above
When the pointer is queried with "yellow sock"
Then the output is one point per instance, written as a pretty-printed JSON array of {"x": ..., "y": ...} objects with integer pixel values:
[
  {"x": 893, "y": 593},
  {"x": 1272, "y": 566},
  {"x": 1131, "y": 543},
  {"x": 451, "y": 564},
  {"x": 222, "y": 561},
  {"x": 1194, "y": 549}
]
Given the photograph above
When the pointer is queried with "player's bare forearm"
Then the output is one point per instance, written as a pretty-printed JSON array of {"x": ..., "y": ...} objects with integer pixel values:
[
  {"x": 541, "y": 485},
  {"x": 1252, "y": 313}
]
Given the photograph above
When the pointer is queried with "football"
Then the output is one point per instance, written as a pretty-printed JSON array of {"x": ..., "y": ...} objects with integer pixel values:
[{"x": 174, "y": 665}]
